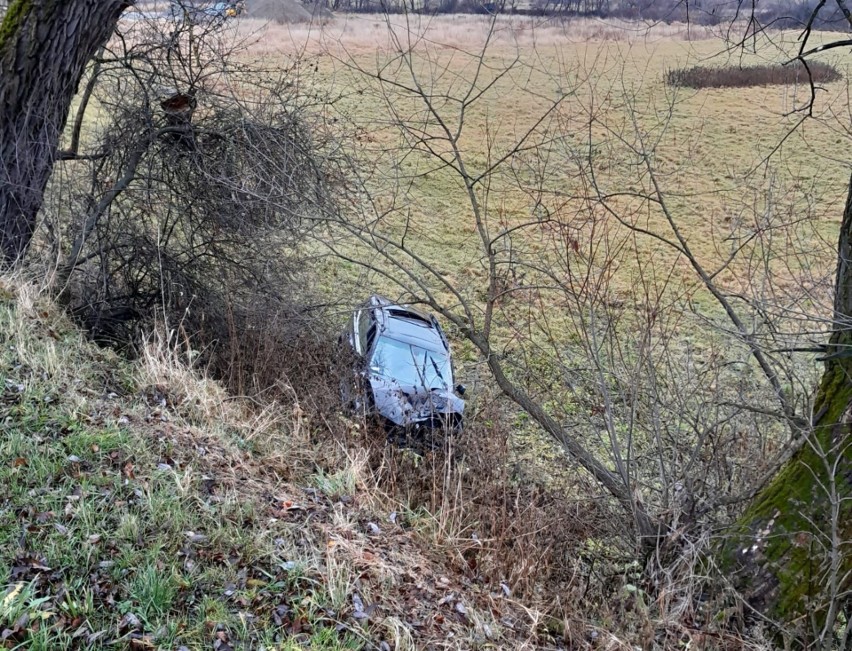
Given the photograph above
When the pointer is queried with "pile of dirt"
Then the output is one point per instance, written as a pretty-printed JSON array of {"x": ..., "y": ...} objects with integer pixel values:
[{"x": 285, "y": 11}]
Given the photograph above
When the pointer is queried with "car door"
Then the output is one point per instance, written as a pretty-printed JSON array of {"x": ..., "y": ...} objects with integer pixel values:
[{"x": 363, "y": 333}]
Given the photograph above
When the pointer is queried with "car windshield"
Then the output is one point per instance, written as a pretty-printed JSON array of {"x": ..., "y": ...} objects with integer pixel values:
[{"x": 409, "y": 364}]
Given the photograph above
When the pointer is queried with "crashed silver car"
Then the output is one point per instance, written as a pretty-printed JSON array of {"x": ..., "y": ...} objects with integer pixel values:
[{"x": 403, "y": 372}]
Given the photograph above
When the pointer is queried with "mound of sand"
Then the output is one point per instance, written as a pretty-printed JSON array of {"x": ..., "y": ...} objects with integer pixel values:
[{"x": 284, "y": 11}]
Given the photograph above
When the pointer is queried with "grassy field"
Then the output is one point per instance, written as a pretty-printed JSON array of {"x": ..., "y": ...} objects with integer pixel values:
[{"x": 720, "y": 154}]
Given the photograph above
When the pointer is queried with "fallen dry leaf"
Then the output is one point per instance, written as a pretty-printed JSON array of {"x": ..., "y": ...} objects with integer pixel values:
[
  {"x": 142, "y": 643},
  {"x": 129, "y": 622}
]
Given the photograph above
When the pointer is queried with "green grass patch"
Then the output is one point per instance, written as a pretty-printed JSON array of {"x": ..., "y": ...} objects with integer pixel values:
[{"x": 104, "y": 543}]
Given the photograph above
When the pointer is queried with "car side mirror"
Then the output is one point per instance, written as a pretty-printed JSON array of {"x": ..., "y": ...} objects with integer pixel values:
[{"x": 460, "y": 389}]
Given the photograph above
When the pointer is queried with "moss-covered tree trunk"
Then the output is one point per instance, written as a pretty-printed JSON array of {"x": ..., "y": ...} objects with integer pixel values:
[
  {"x": 44, "y": 48},
  {"x": 792, "y": 549}
]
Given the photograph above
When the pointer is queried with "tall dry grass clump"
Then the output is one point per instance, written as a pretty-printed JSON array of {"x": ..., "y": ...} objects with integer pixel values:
[
  {"x": 545, "y": 544},
  {"x": 491, "y": 517}
]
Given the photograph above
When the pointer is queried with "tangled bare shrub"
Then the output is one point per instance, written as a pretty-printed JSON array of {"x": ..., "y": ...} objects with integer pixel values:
[
  {"x": 493, "y": 518},
  {"x": 196, "y": 199}
]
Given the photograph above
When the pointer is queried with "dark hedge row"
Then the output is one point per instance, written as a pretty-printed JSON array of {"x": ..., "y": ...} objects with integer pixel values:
[{"x": 777, "y": 75}]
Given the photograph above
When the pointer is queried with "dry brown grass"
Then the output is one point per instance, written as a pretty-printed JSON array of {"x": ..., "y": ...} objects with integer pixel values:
[
  {"x": 477, "y": 546},
  {"x": 363, "y": 33},
  {"x": 489, "y": 516}
]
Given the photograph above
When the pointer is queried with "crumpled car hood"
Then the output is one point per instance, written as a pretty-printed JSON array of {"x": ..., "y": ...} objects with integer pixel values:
[{"x": 408, "y": 405}]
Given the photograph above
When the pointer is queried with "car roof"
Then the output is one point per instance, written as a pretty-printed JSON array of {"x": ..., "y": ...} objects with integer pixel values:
[{"x": 407, "y": 324}]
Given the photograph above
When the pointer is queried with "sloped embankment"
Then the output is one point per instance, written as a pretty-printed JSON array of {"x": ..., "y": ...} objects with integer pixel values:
[{"x": 143, "y": 507}]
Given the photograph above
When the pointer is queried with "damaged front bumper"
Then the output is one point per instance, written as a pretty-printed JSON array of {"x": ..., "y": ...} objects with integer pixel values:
[{"x": 409, "y": 408}]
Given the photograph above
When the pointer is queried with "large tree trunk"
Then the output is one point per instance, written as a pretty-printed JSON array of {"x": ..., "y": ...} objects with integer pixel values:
[
  {"x": 44, "y": 48},
  {"x": 792, "y": 549}
]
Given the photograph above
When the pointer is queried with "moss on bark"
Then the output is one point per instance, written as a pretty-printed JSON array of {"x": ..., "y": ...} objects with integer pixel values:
[
  {"x": 781, "y": 550},
  {"x": 778, "y": 547},
  {"x": 15, "y": 15}
]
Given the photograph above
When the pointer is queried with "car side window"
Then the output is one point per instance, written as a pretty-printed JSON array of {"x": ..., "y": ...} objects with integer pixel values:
[
  {"x": 363, "y": 329},
  {"x": 371, "y": 337}
]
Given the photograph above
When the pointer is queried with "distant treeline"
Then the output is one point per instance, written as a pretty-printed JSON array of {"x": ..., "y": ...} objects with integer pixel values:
[{"x": 778, "y": 13}]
